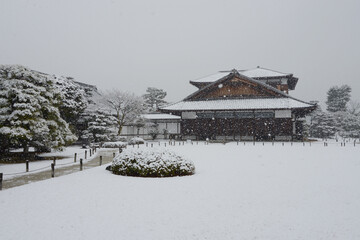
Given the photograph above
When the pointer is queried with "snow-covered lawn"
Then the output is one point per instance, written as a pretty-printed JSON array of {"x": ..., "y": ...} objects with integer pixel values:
[{"x": 251, "y": 192}]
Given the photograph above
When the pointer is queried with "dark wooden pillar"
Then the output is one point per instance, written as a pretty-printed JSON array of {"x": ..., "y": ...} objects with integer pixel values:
[{"x": 254, "y": 126}]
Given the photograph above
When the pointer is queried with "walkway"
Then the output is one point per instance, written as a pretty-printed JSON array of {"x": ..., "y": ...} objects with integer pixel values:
[{"x": 107, "y": 157}]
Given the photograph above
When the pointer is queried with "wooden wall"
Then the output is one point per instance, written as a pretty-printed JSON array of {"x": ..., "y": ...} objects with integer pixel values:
[
  {"x": 265, "y": 129},
  {"x": 236, "y": 87}
]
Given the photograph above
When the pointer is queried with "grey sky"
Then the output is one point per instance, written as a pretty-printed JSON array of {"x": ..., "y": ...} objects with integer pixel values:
[{"x": 131, "y": 45}]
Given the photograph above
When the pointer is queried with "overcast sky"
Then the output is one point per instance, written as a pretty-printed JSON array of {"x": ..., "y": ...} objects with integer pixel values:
[{"x": 132, "y": 45}]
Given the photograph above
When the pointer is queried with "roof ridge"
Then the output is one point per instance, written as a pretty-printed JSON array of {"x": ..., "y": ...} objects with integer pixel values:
[{"x": 268, "y": 69}]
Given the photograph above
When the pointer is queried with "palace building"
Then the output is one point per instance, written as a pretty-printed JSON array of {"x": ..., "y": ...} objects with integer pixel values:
[{"x": 242, "y": 105}]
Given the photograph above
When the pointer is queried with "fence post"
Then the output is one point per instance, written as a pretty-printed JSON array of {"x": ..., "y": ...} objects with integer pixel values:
[
  {"x": 81, "y": 164},
  {"x": 100, "y": 160},
  {"x": 113, "y": 155},
  {"x": 1, "y": 180},
  {"x": 85, "y": 154},
  {"x": 152, "y": 145},
  {"x": 27, "y": 165},
  {"x": 75, "y": 157},
  {"x": 90, "y": 151},
  {"x": 52, "y": 170},
  {"x": 54, "y": 161}
]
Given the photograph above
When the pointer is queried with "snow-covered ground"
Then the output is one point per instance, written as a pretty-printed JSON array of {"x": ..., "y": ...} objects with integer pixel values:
[
  {"x": 238, "y": 192},
  {"x": 18, "y": 169}
]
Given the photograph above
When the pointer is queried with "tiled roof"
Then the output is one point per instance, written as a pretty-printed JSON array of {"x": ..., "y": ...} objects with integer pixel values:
[{"x": 238, "y": 104}]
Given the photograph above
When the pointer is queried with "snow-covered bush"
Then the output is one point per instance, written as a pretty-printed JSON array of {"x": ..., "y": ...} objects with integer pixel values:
[
  {"x": 136, "y": 140},
  {"x": 114, "y": 144},
  {"x": 151, "y": 163}
]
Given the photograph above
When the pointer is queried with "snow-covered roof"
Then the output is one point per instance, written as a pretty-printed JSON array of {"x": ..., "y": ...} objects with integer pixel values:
[
  {"x": 238, "y": 104},
  {"x": 253, "y": 73},
  {"x": 262, "y": 73},
  {"x": 212, "y": 78},
  {"x": 161, "y": 116}
]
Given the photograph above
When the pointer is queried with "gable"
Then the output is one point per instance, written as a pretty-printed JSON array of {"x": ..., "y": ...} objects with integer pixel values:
[{"x": 234, "y": 86}]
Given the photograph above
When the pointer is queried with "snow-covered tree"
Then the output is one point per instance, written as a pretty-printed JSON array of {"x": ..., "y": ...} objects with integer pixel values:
[
  {"x": 337, "y": 98},
  {"x": 323, "y": 125},
  {"x": 152, "y": 129},
  {"x": 348, "y": 124},
  {"x": 100, "y": 126},
  {"x": 154, "y": 98},
  {"x": 354, "y": 108},
  {"x": 73, "y": 100},
  {"x": 127, "y": 107},
  {"x": 29, "y": 114}
]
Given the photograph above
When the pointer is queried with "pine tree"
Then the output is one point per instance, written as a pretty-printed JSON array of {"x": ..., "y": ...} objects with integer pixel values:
[
  {"x": 29, "y": 115},
  {"x": 348, "y": 124},
  {"x": 154, "y": 98},
  {"x": 100, "y": 126},
  {"x": 73, "y": 100},
  {"x": 322, "y": 124},
  {"x": 337, "y": 98}
]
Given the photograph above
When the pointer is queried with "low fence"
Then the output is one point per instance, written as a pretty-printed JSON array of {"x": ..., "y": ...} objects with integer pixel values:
[
  {"x": 254, "y": 143},
  {"x": 91, "y": 152}
]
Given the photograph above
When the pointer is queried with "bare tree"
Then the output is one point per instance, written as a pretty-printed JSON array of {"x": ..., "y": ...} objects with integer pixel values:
[
  {"x": 127, "y": 106},
  {"x": 354, "y": 107}
]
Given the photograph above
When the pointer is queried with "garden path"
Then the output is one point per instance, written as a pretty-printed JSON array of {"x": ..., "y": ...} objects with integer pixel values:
[{"x": 107, "y": 156}]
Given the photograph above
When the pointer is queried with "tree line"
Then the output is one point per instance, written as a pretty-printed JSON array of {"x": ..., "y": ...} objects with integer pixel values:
[
  {"x": 342, "y": 118},
  {"x": 47, "y": 112}
]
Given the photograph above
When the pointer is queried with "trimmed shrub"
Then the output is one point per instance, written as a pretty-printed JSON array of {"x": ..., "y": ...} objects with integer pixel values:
[
  {"x": 114, "y": 144},
  {"x": 136, "y": 140},
  {"x": 151, "y": 163}
]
